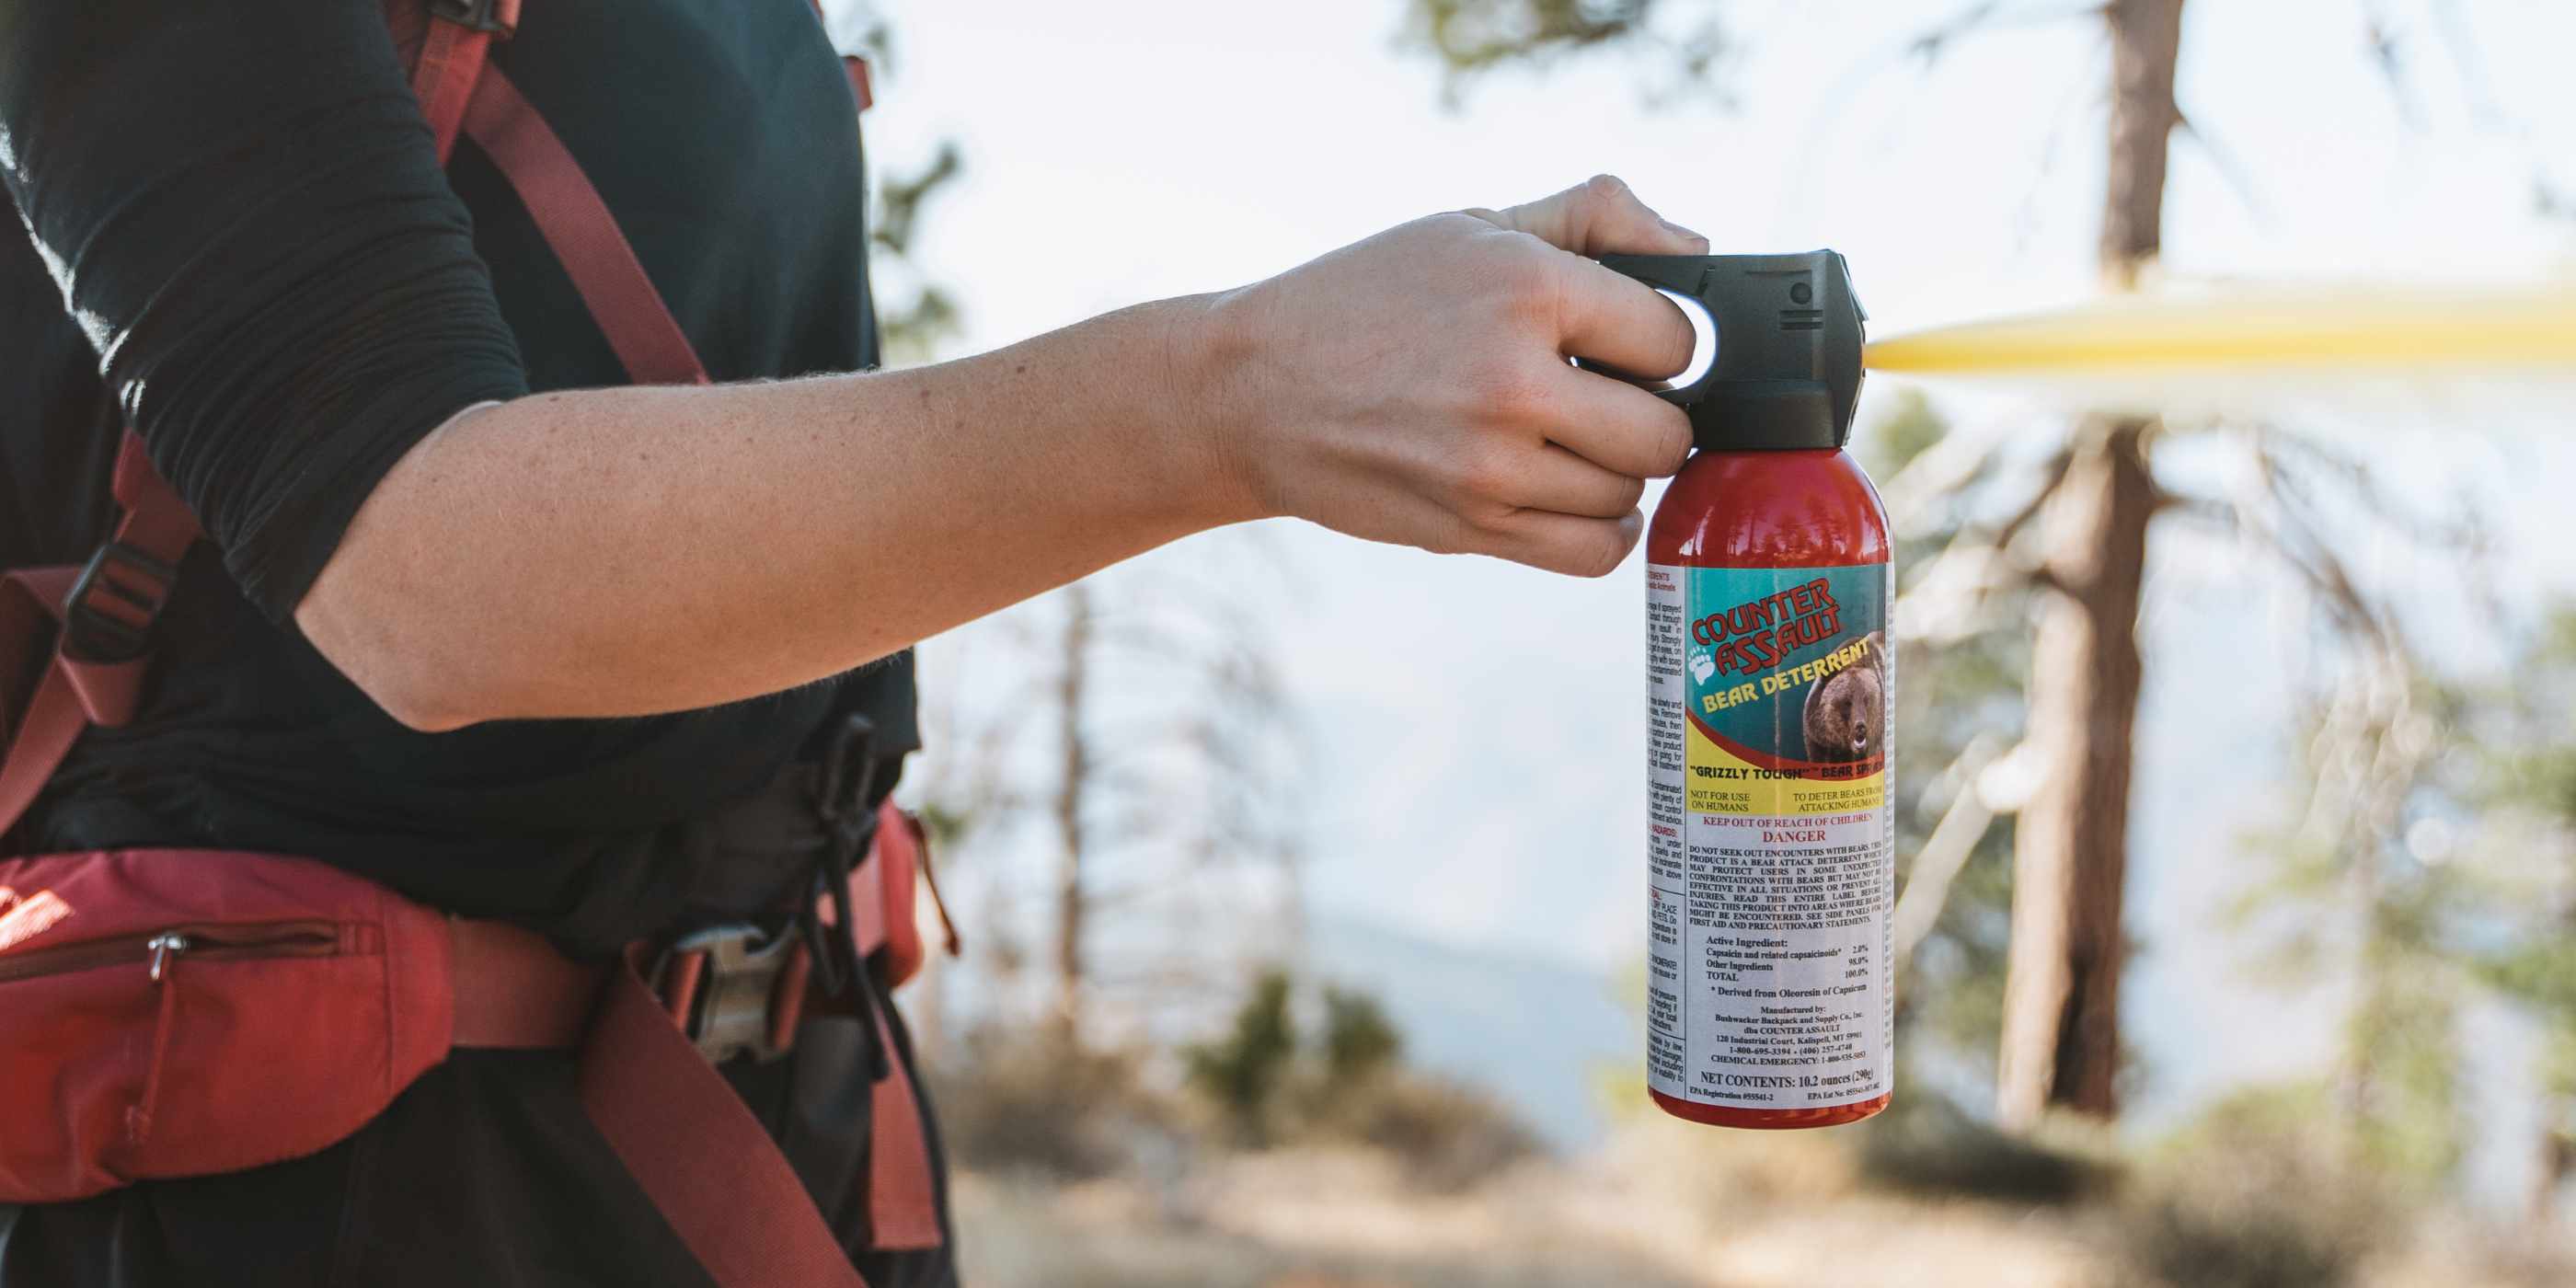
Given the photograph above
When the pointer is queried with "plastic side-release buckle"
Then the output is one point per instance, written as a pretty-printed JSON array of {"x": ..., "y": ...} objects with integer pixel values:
[
  {"x": 734, "y": 990},
  {"x": 112, "y": 607},
  {"x": 499, "y": 17}
]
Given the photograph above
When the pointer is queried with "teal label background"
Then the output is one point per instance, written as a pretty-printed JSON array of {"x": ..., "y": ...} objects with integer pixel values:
[{"x": 1771, "y": 724}]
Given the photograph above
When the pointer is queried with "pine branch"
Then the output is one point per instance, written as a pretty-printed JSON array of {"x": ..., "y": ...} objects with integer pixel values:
[{"x": 1937, "y": 865}]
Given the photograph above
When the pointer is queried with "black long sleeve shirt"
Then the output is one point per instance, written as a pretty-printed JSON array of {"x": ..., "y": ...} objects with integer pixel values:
[{"x": 238, "y": 239}]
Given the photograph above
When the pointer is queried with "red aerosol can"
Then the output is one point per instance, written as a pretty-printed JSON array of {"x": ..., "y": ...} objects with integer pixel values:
[{"x": 1770, "y": 848}]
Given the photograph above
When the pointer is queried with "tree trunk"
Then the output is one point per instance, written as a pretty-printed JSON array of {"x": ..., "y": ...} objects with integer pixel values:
[
  {"x": 2061, "y": 1040},
  {"x": 2557, "y": 1161},
  {"x": 2061, "y": 1036},
  {"x": 1073, "y": 783},
  {"x": 2146, "y": 40}
]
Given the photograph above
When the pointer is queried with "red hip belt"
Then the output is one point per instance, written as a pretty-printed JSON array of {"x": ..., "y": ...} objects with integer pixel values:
[
  {"x": 169, "y": 1013},
  {"x": 177, "y": 1013}
]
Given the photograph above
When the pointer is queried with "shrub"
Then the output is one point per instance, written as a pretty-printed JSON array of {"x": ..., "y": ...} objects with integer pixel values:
[
  {"x": 1448, "y": 1137},
  {"x": 1926, "y": 1144},
  {"x": 1022, "y": 1103},
  {"x": 1351, "y": 1088},
  {"x": 2222, "y": 1230},
  {"x": 1359, "y": 1041},
  {"x": 1241, "y": 1072},
  {"x": 2260, "y": 1194}
]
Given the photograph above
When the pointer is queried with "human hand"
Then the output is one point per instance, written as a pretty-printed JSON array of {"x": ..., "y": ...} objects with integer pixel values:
[{"x": 1414, "y": 388}]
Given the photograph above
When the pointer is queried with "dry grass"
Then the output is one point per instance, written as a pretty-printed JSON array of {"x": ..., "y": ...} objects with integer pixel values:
[
  {"x": 1282, "y": 1221},
  {"x": 1077, "y": 1174},
  {"x": 1667, "y": 1208},
  {"x": 1353, "y": 1219}
]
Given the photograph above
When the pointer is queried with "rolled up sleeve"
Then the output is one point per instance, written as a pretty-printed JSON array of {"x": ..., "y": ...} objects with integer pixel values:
[{"x": 245, "y": 213}]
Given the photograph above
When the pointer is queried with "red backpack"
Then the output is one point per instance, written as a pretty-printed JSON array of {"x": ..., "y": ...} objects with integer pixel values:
[{"x": 177, "y": 1013}]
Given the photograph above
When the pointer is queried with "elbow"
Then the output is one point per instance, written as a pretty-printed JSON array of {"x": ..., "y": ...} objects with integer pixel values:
[
  {"x": 417, "y": 710},
  {"x": 389, "y": 611},
  {"x": 405, "y": 690},
  {"x": 402, "y": 671}
]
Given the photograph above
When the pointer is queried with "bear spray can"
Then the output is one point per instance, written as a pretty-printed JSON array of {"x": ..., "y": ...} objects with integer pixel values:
[{"x": 1769, "y": 998}]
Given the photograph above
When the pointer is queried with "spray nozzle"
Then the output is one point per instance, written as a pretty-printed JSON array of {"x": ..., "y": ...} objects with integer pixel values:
[{"x": 1786, "y": 337}]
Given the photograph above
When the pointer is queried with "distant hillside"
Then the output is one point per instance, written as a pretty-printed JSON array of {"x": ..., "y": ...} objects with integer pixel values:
[{"x": 1532, "y": 1032}]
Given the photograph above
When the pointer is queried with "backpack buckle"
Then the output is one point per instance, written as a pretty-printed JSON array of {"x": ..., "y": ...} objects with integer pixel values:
[
  {"x": 734, "y": 990},
  {"x": 843, "y": 787},
  {"x": 109, "y": 615},
  {"x": 498, "y": 17}
]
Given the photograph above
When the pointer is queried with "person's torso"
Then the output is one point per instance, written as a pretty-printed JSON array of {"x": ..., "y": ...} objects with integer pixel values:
[{"x": 722, "y": 134}]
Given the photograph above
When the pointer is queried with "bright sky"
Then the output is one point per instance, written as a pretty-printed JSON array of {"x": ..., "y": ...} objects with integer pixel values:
[{"x": 1479, "y": 727}]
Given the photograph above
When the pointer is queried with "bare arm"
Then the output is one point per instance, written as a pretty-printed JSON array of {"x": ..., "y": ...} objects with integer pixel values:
[{"x": 628, "y": 551}]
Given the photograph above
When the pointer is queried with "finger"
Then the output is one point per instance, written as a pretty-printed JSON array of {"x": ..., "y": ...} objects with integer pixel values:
[
  {"x": 1615, "y": 425},
  {"x": 1558, "y": 480},
  {"x": 1614, "y": 319},
  {"x": 1600, "y": 216},
  {"x": 1566, "y": 543}
]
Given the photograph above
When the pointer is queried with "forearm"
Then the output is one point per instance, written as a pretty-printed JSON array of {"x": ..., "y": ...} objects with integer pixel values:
[{"x": 628, "y": 551}]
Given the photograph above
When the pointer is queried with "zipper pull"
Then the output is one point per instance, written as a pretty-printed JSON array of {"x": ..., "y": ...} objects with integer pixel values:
[{"x": 164, "y": 947}]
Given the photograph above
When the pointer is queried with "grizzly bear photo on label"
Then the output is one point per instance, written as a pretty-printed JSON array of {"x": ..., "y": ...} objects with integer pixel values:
[{"x": 1846, "y": 712}]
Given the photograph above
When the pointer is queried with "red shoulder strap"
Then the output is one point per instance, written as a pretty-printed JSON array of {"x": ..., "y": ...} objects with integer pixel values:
[
  {"x": 582, "y": 233},
  {"x": 705, "y": 1160},
  {"x": 852, "y": 65},
  {"x": 453, "y": 48},
  {"x": 697, "y": 1151},
  {"x": 461, "y": 92},
  {"x": 103, "y": 616},
  {"x": 104, "y": 613},
  {"x": 688, "y": 1140}
]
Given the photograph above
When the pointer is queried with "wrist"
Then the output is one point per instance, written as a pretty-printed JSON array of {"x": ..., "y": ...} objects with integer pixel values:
[{"x": 1208, "y": 410}]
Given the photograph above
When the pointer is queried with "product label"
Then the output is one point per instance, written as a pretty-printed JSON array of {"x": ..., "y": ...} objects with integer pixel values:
[{"x": 1770, "y": 844}]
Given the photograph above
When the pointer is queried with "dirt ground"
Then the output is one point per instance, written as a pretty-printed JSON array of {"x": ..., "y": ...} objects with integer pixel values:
[
  {"x": 1321, "y": 1220},
  {"x": 1649, "y": 1214}
]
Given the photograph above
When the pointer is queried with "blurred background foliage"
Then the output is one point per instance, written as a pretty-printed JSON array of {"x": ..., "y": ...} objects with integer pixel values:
[{"x": 1149, "y": 1075}]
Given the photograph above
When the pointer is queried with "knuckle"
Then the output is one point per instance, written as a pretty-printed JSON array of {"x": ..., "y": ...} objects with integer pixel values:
[
  {"x": 1453, "y": 536},
  {"x": 1485, "y": 477},
  {"x": 1604, "y": 550},
  {"x": 1604, "y": 187},
  {"x": 1528, "y": 279},
  {"x": 1672, "y": 446},
  {"x": 1470, "y": 226},
  {"x": 1564, "y": 556},
  {"x": 1511, "y": 393}
]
